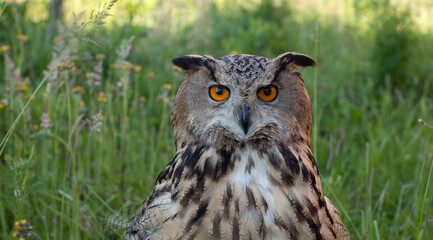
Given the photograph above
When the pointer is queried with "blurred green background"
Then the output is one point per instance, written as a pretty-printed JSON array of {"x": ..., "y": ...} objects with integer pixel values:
[{"x": 89, "y": 146}]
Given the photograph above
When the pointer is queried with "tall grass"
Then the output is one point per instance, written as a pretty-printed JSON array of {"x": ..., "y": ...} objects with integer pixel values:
[{"x": 85, "y": 111}]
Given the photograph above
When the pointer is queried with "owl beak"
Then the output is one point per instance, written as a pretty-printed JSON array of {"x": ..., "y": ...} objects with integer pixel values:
[{"x": 245, "y": 120}]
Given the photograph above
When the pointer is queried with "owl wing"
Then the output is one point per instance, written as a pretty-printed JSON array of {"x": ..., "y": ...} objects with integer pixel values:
[
  {"x": 153, "y": 212},
  {"x": 339, "y": 229}
]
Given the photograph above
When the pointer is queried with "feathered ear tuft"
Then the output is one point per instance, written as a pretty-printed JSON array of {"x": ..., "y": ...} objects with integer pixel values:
[
  {"x": 298, "y": 59},
  {"x": 193, "y": 62}
]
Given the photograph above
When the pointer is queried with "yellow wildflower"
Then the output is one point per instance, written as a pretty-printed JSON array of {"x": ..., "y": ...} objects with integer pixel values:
[
  {"x": 22, "y": 239},
  {"x": 22, "y": 37},
  {"x": 420, "y": 120},
  {"x": 177, "y": 68},
  {"x": 2, "y": 106},
  {"x": 18, "y": 228},
  {"x": 142, "y": 99},
  {"x": 167, "y": 86},
  {"x": 137, "y": 68},
  {"x": 23, "y": 222},
  {"x": 101, "y": 97},
  {"x": 234, "y": 52},
  {"x": 151, "y": 74},
  {"x": 100, "y": 56},
  {"x": 15, "y": 234},
  {"x": 126, "y": 119},
  {"x": 4, "y": 48},
  {"x": 82, "y": 104},
  {"x": 21, "y": 88},
  {"x": 35, "y": 126},
  {"x": 78, "y": 88}
]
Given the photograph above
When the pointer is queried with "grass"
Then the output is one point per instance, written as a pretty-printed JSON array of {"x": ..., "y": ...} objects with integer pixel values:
[{"x": 79, "y": 158}]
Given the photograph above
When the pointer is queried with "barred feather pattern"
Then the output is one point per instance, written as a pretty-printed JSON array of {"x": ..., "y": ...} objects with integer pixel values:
[{"x": 238, "y": 193}]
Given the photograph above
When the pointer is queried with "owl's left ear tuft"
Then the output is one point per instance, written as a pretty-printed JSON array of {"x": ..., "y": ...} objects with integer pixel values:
[
  {"x": 192, "y": 62},
  {"x": 298, "y": 59}
]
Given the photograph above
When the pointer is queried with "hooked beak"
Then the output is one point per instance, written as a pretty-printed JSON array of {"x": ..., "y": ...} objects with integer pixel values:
[{"x": 245, "y": 121}]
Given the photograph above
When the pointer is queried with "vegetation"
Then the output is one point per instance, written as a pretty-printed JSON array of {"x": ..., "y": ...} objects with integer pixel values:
[{"x": 86, "y": 150}]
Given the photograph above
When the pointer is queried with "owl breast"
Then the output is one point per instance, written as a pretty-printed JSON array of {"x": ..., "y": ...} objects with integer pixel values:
[{"x": 235, "y": 194}]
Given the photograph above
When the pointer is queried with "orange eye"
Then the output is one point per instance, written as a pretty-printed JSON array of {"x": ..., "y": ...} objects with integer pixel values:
[
  {"x": 219, "y": 93},
  {"x": 268, "y": 93}
]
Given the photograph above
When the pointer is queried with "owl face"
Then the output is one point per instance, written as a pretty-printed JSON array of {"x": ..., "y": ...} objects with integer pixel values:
[{"x": 241, "y": 99}]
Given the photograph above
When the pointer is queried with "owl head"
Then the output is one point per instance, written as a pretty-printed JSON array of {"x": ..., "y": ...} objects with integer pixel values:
[{"x": 242, "y": 99}]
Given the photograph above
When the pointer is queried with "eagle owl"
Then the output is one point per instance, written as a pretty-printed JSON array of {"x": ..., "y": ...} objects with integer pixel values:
[{"x": 243, "y": 168}]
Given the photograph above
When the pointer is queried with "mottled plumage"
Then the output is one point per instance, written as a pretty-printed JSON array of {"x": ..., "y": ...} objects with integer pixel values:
[{"x": 243, "y": 167}]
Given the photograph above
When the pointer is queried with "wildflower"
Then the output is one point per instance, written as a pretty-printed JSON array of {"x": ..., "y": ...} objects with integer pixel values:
[
  {"x": 142, "y": 99},
  {"x": 425, "y": 123},
  {"x": 22, "y": 37},
  {"x": 102, "y": 97},
  {"x": 35, "y": 127},
  {"x": 18, "y": 227},
  {"x": 234, "y": 52},
  {"x": 78, "y": 88},
  {"x": 100, "y": 56},
  {"x": 167, "y": 86},
  {"x": 2, "y": 106},
  {"x": 68, "y": 65},
  {"x": 24, "y": 230},
  {"x": 4, "y": 48},
  {"x": 177, "y": 68},
  {"x": 82, "y": 104},
  {"x": 126, "y": 119},
  {"x": 22, "y": 88},
  {"x": 151, "y": 74},
  {"x": 137, "y": 68}
]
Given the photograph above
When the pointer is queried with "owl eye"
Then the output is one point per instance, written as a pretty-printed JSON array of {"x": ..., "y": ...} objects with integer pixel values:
[
  {"x": 219, "y": 93},
  {"x": 268, "y": 93}
]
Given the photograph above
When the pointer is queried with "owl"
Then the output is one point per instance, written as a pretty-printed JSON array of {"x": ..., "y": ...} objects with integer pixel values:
[{"x": 243, "y": 167}]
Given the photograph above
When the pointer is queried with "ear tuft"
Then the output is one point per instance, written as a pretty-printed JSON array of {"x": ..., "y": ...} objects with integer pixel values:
[
  {"x": 189, "y": 62},
  {"x": 300, "y": 60}
]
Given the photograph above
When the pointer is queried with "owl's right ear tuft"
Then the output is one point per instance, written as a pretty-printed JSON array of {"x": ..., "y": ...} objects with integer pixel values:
[{"x": 191, "y": 62}]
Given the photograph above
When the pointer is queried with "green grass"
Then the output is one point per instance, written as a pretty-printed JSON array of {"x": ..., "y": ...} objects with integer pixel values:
[{"x": 87, "y": 149}]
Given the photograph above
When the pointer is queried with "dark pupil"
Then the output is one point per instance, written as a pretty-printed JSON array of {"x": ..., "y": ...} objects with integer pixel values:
[
  {"x": 219, "y": 91},
  {"x": 267, "y": 91}
]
